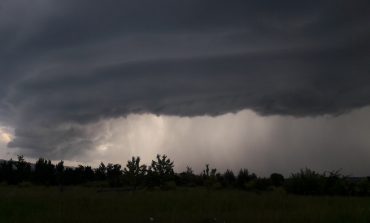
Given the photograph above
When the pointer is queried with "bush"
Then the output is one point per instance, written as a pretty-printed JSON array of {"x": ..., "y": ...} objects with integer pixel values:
[
  {"x": 244, "y": 178},
  {"x": 305, "y": 182}
]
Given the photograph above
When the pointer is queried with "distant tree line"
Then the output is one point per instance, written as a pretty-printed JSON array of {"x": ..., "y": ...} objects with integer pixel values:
[{"x": 160, "y": 174}]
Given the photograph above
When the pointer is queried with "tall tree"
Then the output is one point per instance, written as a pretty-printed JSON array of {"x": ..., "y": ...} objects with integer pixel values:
[
  {"x": 161, "y": 170},
  {"x": 59, "y": 169},
  {"x": 101, "y": 172},
  {"x": 134, "y": 172},
  {"x": 114, "y": 174},
  {"x": 23, "y": 169},
  {"x": 44, "y": 171}
]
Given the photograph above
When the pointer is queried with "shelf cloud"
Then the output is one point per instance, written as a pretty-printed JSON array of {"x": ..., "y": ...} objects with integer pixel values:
[{"x": 68, "y": 65}]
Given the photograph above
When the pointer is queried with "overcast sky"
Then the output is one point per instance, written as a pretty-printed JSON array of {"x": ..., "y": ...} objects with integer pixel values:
[{"x": 267, "y": 85}]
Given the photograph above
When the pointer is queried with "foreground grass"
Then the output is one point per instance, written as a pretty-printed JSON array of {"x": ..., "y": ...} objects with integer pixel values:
[{"x": 80, "y": 204}]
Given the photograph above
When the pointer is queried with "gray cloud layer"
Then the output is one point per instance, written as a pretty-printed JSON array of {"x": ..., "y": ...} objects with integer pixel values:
[
  {"x": 241, "y": 140},
  {"x": 69, "y": 63}
]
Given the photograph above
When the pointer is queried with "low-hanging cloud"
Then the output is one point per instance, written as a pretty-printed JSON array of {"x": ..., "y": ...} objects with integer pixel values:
[
  {"x": 241, "y": 140},
  {"x": 68, "y": 64}
]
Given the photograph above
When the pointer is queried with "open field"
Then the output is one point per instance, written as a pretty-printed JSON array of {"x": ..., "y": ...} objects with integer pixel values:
[{"x": 80, "y": 204}]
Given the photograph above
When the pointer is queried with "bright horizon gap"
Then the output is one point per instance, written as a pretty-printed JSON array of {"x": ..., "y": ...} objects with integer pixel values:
[{"x": 230, "y": 141}]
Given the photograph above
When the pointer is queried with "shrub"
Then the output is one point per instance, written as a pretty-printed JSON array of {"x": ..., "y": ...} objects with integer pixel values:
[{"x": 305, "y": 182}]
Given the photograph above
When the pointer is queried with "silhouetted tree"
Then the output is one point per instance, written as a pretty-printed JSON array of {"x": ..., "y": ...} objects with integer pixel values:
[
  {"x": 8, "y": 171},
  {"x": 209, "y": 176},
  {"x": 188, "y": 178},
  {"x": 114, "y": 174},
  {"x": 362, "y": 187},
  {"x": 338, "y": 184},
  {"x": 134, "y": 172},
  {"x": 44, "y": 172},
  {"x": 2, "y": 171},
  {"x": 277, "y": 179},
  {"x": 59, "y": 169},
  {"x": 23, "y": 169},
  {"x": 84, "y": 174},
  {"x": 80, "y": 173},
  {"x": 70, "y": 176},
  {"x": 229, "y": 178},
  {"x": 244, "y": 177},
  {"x": 161, "y": 171},
  {"x": 89, "y": 174},
  {"x": 209, "y": 172},
  {"x": 101, "y": 172},
  {"x": 306, "y": 182}
]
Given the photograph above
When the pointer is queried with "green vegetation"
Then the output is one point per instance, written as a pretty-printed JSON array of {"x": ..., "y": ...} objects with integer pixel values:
[{"x": 26, "y": 203}]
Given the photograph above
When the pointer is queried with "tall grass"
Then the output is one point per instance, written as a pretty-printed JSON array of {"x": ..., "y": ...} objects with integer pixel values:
[{"x": 82, "y": 204}]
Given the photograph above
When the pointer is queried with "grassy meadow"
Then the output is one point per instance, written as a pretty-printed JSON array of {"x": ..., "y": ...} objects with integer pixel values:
[{"x": 88, "y": 204}]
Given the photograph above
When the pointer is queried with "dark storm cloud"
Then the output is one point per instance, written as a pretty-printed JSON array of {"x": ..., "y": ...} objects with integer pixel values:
[{"x": 77, "y": 62}]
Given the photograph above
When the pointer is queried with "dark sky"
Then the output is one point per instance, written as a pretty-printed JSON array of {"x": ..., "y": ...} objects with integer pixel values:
[{"x": 68, "y": 66}]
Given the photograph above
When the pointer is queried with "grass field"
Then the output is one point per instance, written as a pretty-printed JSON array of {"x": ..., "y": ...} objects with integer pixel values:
[{"x": 80, "y": 204}]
